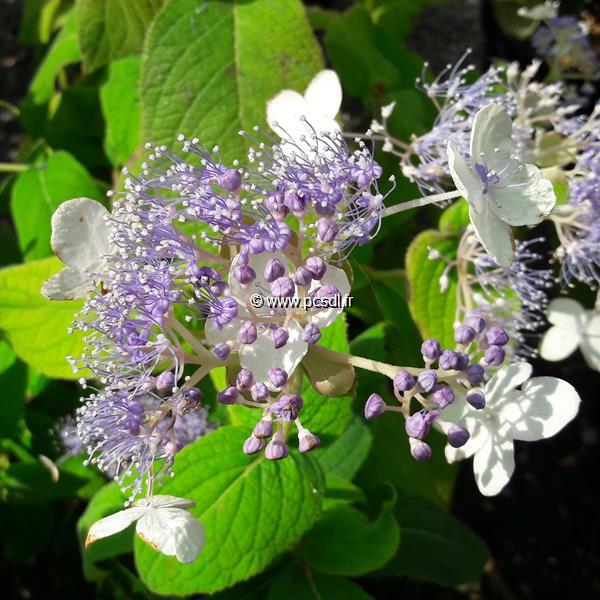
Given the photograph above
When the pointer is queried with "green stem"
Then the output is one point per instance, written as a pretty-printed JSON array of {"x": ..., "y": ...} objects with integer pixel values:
[
  {"x": 392, "y": 210},
  {"x": 13, "y": 167}
]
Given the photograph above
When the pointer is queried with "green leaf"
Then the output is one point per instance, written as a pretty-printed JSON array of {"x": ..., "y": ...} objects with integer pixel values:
[
  {"x": 435, "y": 546},
  {"x": 252, "y": 509},
  {"x": 347, "y": 453},
  {"x": 108, "y": 500},
  {"x": 120, "y": 101},
  {"x": 39, "y": 191},
  {"x": 209, "y": 68},
  {"x": 64, "y": 51},
  {"x": 434, "y": 311},
  {"x": 344, "y": 542},
  {"x": 7, "y": 356},
  {"x": 455, "y": 219},
  {"x": 340, "y": 491},
  {"x": 37, "y": 327},
  {"x": 295, "y": 583},
  {"x": 112, "y": 29}
]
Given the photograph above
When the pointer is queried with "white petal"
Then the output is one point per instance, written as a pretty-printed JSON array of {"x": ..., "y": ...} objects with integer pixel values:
[
  {"x": 494, "y": 234},
  {"x": 506, "y": 379},
  {"x": 324, "y": 94},
  {"x": 113, "y": 524},
  {"x": 165, "y": 501},
  {"x": 590, "y": 343},
  {"x": 541, "y": 409},
  {"x": 284, "y": 113},
  {"x": 476, "y": 424},
  {"x": 558, "y": 343},
  {"x": 80, "y": 233},
  {"x": 262, "y": 355},
  {"x": 523, "y": 198},
  {"x": 491, "y": 137},
  {"x": 228, "y": 333},
  {"x": 467, "y": 182},
  {"x": 567, "y": 313},
  {"x": 172, "y": 531},
  {"x": 67, "y": 284},
  {"x": 336, "y": 277},
  {"x": 494, "y": 463}
]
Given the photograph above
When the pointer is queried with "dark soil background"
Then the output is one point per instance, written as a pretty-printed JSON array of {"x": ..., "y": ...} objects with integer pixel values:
[{"x": 543, "y": 531}]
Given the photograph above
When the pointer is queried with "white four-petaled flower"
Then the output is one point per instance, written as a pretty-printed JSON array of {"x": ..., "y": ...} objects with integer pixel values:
[
  {"x": 80, "y": 238},
  {"x": 540, "y": 409},
  {"x": 162, "y": 522},
  {"x": 572, "y": 326},
  {"x": 500, "y": 189},
  {"x": 292, "y": 115}
]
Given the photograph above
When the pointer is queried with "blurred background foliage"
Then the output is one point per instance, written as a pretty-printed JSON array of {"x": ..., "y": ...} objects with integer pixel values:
[{"x": 86, "y": 84}]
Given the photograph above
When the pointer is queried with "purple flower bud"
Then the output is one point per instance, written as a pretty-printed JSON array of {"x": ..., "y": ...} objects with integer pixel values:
[
  {"x": 427, "y": 380},
  {"x": 374, "y": 406},
  {"x": 417, "y": 426},
  {"x": 326, "y": 230},
  {"x": 295, "y": 202},
  {"x": 194, "y": 397},
  {"x": 311, "y": 334},
  {"x": 430, "y": 349},
  {"x": 302, "y": 276},
  {"x": 230, "y": 180},
  {"x": 448, "y": 360},
  {"x": 283, "y": 287},
  {"x": 443, "y": 396},
  {"x": 278, "y": 377},
  {"x": 165, "y": 383},
  {"x": 280, "y": 337},
  {"x": 317, "y": 267},
  {"x": 462, "y": 360},
  {"x": 476, "y": 322},
  {"x": 307, "y": 441},
  {"x": 263, "y": 429},
  {"x": 253, "y": 445},
  {"x": 457, "y": 436},
  {"x": 403, "y": 381},
  {"x": 228, "y": 396},
  {"x": 496, "y": 336},
  {"x": 476, "y": 399},
  {"x": 494, "y": 356},
  {"x": 244, "y": 380},
  {"x": 288, "y": 407},
  {"x": 247, "y": 333},
  {"x": 244, "y": 274},
  {"x": 256, "y": 246},
  {"x": 274, "y": 269},
  {"x": 276, "y": 448},
  {"x": 222, "y": 351},
  {"x": 275, "y": 205},
  {"x": 475, "y": 374},
  {"x": 259, "y": 392},
  {"x": 464, "y": 334},
  {"x": 420, "y": 450}
]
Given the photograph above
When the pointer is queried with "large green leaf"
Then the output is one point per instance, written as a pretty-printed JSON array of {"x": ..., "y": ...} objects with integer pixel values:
[
  {"x": 252, "y": 509},
  {"x": 433, "y": 310},
  {"x": 39, "y": 191},
  {"x": 435, "y": 546},
  {"x": 209, "y": 68},
  {"x": 13, "y": 382},
  {"x": 344, "y": 542},
  {"x": 37, "y": 327},
  {"x": 120, "y": 100},
  {"x": 111, "y": 29},
  {"x": 64, "y": 51}
]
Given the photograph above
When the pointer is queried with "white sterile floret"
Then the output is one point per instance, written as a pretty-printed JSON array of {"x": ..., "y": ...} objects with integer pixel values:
[
  {"x": 540, "y": 12},
  {"x": 292, "y": 115},
  {"x": 80, "y": 239},
  {"x": 501, "y": 190},
  {"x": 539, "y": 410},
  {"x": 163, "y": 522},
  {"x": 572, "y": 326}
]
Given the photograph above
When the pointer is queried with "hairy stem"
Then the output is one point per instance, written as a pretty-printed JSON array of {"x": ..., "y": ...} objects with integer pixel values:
[{"x": 392, "y": 210}]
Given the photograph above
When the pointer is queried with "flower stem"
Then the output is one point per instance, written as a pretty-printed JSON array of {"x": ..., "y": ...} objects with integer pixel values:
[
  {"x": 13, "y": 167},
  {"x": 392, "y": 210}
]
